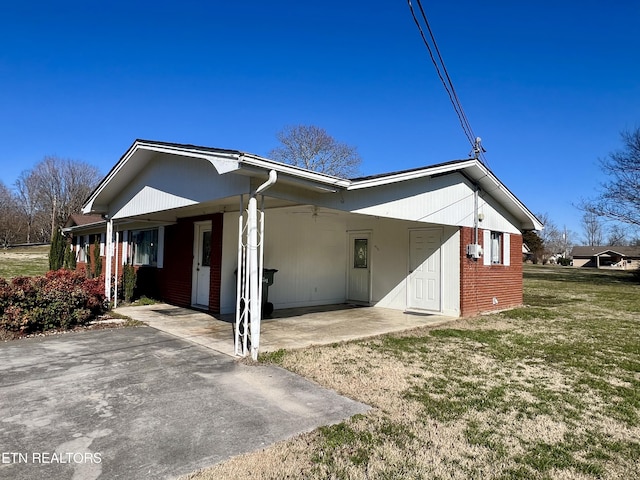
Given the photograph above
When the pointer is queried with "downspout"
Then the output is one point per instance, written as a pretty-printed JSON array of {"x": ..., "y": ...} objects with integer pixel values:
[
  {"x": 254, "y": 269},
  {"x": 475, "y": 214}
]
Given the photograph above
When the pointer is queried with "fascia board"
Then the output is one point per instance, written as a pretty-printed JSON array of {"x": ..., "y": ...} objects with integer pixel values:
[
  {"x": 494, "y": 187},
  {"x": 296, "y": 175},
  {"x": 412, "y": 175},
  {"x": 223, "y": 162}
]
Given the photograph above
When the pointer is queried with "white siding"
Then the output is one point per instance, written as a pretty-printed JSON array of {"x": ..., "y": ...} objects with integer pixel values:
[
  {"x": 311, "y": 254},
  {"x": 167, "y": 184},
  {"x": 444, "y": 200}
]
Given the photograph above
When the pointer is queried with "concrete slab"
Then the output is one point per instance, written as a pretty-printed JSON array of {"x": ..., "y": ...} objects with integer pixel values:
[
  {"x": 287, "y": 328},
  {"x": 193, "y": 325},
  {"x": 139, "y": 403}
]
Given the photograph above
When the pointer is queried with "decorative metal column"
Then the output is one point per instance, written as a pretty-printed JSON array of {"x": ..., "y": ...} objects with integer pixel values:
[{"x": 249, "y": 273}]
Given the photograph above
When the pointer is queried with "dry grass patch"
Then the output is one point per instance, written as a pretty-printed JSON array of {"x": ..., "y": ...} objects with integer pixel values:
[{"x": 547, "y": 391}]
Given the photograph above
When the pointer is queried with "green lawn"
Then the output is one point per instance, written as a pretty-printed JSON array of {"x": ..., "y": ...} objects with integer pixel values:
[
  {"x": 24, "y": 261},
  {"x": 547, "y": 391}
]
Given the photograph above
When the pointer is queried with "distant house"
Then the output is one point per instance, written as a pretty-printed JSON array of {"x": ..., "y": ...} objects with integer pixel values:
[{"x": 606, "y": 257}]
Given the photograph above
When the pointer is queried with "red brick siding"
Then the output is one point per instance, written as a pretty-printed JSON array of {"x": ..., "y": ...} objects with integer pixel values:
[
  {"x": 480, "y": 284},
  {"x": 216, "y": 262},
  {"x": 82, "y": 266},
  {"x": 172, "y": 283},
  {"x": 175, "y": 278}
]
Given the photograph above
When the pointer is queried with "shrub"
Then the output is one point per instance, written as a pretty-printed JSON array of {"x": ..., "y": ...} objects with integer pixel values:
[
  {"x": 97, "y": 259},
  {"x": 56, "y": 251},
  {"x": 60, "y": 299},
  {"x": 70, "y": 258},
  {"x": 128, "y": 282}
]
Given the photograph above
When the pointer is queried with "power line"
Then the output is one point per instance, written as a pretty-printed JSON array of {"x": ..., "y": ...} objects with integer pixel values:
[{"x": 444, "y": 77}]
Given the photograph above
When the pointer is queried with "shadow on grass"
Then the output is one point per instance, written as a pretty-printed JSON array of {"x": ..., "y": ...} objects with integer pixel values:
[{"x": 582, "y": 275}]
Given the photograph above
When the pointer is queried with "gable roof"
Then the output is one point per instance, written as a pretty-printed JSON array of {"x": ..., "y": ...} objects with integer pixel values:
[
  {"x": 225, "y": 161},
  {"x": 593, "y": 251},
  {"x": 82, "y": 220}
]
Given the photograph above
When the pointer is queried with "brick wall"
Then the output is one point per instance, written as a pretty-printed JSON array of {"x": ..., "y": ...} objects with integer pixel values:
[
  {"x": 175, "y": 279},
  {"x": 480, "y": 284},
  {"x": 173, "y": 282},
  {"x": 217, "y": 221}
]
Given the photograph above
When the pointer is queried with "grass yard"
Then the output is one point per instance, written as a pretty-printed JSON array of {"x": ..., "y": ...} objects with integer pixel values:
[
  {"x": 24, "y": 261},
  {"x": 547, "y": 391}
]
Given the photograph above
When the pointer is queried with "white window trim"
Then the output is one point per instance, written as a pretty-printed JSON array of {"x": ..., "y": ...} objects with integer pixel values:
[
  {"x": 486, "y": 241},
  {"x": 160, "y": 259},
  {"x": 125, "y": 247},
  {"x": 506, "y": 249},
  {"x": 505, "y": 259}
]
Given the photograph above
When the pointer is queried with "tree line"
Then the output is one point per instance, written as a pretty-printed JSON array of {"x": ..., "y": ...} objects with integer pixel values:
[{"x": 42, "y": 198}]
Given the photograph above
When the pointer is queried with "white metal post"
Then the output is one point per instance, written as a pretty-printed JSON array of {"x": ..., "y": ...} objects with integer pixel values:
[
  {"x": 108, "y": 258},
  {"x": 115, "y": 288},
  {"x": 255, "y": 308}
]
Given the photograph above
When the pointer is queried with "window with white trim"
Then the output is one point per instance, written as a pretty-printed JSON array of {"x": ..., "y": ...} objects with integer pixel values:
[
  {"x": 497, "y": 248},
  {"x": 144, "y": 246},
  {"x": 82, "y": 242}
]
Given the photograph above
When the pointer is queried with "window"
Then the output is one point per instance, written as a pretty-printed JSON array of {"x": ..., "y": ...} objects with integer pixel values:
[
  {"x": 83, "y": 248},
  {"x": 496, "y": 247},
  {"x": 145, "y": 247},
  {"x": 360, "y": 247}
]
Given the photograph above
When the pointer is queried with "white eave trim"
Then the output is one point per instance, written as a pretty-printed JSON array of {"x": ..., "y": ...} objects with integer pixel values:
[
  {"x": 294, "y": 172},
  {"x": 411, "y": 175}
]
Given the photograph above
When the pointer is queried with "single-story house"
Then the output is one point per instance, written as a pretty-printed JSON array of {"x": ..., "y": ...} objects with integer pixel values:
[
  {"x": 204, "y": 222},
  {"x": 606, "y": 256}
]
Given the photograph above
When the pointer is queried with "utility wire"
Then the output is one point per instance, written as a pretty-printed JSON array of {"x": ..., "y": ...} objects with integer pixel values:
[{"x": 443, "y": 73}]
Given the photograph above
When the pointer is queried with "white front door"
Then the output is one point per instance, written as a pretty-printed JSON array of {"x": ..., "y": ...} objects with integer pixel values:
[
  {"x": 359, "y": 267},
  {"x": 201, "y": 264},
  {"x": 424, "y": 269}
]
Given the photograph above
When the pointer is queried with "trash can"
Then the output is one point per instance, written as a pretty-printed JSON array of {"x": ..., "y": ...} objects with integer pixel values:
[{"x": 267, "y": 281}]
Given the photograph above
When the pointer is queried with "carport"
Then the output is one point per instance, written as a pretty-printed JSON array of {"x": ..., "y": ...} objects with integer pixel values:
[
  {"x": 287, "y": 328},
  {"x": 200, "y": 224}
]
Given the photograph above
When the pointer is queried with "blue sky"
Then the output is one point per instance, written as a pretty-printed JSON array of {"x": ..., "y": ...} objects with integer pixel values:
[{"x": 547, "y": 85}]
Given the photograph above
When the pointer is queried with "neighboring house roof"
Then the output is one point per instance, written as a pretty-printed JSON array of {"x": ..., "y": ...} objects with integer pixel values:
[
  {"x": 586, "y": 251},
  {"x": 83, "y": 220},
  {"x": 225, "y": 161}
]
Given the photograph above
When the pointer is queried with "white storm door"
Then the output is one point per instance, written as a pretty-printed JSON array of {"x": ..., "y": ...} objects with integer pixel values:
[
  {"x": 424, "y": 269},
  {"x": 201, "y": 264},
  {"x": 359, "y": 267}
]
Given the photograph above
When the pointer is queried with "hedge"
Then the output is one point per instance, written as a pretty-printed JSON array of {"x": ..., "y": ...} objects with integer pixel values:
[{"x": 61, "y": 299}]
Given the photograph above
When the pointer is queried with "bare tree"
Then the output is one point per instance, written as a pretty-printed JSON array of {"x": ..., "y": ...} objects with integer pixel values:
[
  {"x": 313, "y": 148},
  {"x": 593, "y": 230},
  {"x": 62, "y": 186},
  {"x": 620, "y": 198},
  {"x": 27, "y": 199},
  {"x": 554, "y": 240},
  {"x": 8, "y": 216},
  {"x": 617, "y": 236}
]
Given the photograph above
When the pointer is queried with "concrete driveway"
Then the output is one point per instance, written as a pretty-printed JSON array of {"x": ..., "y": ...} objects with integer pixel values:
[{"x": 138, "y": 403}]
